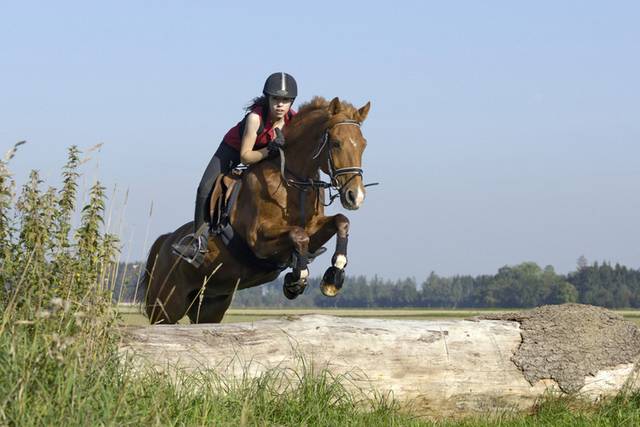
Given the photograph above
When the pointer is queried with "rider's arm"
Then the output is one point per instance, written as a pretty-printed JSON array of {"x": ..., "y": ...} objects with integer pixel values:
[{"x": 247, "y": 154}]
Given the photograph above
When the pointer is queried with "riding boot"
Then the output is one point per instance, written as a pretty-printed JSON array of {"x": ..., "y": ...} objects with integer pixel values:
[{"x": 192, "y": 247}]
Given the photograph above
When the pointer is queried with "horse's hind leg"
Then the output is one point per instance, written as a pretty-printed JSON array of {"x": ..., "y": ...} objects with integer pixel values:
[
  {"x": 210, "y": 309},
  {"x": 163, "y": 303},
  {"x": 165, "y": 306},
  {"x": 325, "y": 228}
]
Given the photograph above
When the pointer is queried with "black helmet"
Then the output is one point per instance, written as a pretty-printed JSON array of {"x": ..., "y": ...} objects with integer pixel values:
[{"x": 281, "y": 84}]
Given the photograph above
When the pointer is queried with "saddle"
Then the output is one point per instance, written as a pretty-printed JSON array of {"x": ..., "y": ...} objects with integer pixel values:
[{"x": 223, "y": 197}]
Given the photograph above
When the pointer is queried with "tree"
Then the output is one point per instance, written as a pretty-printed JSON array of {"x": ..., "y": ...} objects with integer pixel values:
[{"x": 582, "y": 262}]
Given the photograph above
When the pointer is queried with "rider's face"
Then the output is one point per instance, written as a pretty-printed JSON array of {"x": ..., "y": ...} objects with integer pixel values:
[{"x": 279, "y": 106}]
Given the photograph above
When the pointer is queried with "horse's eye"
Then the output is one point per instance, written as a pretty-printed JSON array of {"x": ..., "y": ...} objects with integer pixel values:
[{"x": 335, "y": 144}]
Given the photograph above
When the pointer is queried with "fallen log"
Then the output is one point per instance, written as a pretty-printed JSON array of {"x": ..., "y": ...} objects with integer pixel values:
[{"x": 437, "y": 367}]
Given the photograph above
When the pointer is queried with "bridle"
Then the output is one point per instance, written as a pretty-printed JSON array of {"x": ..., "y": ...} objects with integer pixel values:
[{"x": 333, "y": 172}]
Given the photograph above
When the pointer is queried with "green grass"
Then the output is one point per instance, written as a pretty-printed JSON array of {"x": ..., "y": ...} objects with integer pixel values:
[
  {"x": 59, "y": 335},
  {"x": 81, "y": 381},
  {"x": 38, "y": 390},
  {"x": 131, "y": 315}
]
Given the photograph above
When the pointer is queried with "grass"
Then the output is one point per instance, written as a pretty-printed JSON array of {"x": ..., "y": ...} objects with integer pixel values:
[
  {"x": 131, "y": 315},
  {"x": 59, "y": 334},
  {"x": 106, "y": 394}
]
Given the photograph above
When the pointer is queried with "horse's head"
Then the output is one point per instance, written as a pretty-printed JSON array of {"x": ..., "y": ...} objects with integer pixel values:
[{"x": 345, "y": 145}]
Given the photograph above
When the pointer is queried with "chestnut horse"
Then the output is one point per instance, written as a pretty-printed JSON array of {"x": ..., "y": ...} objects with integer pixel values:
[{"x": 280, "y": 215}]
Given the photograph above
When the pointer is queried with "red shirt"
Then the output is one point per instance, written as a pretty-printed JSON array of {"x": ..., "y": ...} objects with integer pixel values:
[{"x": 233, "y": 137}]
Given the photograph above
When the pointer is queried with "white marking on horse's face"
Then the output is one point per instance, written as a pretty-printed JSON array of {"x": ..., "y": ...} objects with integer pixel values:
[
  {"x": 304, "y": 273},
  {"x": 352, "y": 141},
  {"x": 341, "y": 261},
  {"x": 359, "y": 197}
]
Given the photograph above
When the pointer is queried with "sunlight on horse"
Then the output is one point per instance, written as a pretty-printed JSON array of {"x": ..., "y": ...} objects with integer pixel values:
[{"x": 279, "y": 214}]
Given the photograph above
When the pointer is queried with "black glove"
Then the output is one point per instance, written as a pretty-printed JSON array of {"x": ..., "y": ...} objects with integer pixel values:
[{"x": 276, "y": 143}]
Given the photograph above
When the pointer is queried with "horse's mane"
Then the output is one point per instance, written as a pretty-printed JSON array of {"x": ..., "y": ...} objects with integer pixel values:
[
  {"x": 317, "y": 110},
  {"x": 319, "y": 103}
]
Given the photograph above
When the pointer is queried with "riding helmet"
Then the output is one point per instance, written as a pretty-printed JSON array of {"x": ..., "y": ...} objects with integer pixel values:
[{"x": 281, "y": 84}]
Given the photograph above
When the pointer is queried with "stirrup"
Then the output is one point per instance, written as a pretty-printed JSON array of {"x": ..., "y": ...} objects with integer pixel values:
[
  {"x": 196, "y": 261},
  {"x": 198, "y": 258}
]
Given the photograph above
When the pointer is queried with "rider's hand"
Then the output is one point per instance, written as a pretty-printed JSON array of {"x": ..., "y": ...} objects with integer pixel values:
[{"x": 276, "y": 143}]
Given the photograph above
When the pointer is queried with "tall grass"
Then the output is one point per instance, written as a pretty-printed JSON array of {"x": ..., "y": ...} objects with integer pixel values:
[
  {"x": 59, "y": 362},
  {"x": 56, "y": 320}
]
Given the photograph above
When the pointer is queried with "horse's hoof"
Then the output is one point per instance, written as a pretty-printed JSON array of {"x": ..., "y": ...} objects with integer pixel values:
[
  {"x": 292, "y": 289},
  {"x": 332, "y": 281},
  {"x": 329, "y": 290},
  {"x": 289, "y": 293}
]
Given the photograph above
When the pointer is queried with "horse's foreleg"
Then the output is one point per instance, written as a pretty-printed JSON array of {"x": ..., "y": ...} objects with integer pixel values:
[
  {"x": 272, "y": 240},
  {"x": 325, "y": 228}
]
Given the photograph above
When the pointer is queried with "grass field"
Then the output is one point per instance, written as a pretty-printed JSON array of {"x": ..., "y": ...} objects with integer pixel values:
[
  {"x": 131, "y": 315},
  {"x": 60, "y": 362}
]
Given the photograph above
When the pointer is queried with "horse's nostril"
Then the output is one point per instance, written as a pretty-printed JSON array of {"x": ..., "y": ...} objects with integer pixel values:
[{"x": 351, "y": 197}]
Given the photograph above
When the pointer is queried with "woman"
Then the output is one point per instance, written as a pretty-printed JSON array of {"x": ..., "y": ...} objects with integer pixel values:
[{"x": 253, "y": 139}]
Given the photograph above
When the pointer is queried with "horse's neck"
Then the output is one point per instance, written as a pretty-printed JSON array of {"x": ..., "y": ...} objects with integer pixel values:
[{"x": 302, "y": 147}]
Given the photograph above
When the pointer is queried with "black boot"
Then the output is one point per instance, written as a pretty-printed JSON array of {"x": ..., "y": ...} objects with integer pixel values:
[{"x": 192, "y": 248}]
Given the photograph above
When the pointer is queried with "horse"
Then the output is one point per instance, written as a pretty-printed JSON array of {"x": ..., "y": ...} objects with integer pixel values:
[{"x": 279, "y": 213}]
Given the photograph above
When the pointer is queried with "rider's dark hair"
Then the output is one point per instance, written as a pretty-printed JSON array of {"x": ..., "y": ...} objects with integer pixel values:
[{"x": 258, "y": 101}]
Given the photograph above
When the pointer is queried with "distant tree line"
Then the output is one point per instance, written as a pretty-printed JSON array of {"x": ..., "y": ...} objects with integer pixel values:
[{"x": 522, "y": 285}]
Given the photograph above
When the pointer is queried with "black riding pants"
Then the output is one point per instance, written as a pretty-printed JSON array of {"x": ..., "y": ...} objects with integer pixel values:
[{"x": 224, "y": 159}]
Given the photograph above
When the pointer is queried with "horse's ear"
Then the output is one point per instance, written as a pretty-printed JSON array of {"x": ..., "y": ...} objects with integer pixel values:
[
  {"x": 335, "y": 106},
  {"x": 362, "y": 112}
]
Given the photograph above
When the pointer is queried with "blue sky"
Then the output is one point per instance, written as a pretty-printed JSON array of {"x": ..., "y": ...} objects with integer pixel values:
[{"x": 501, "y": 131}]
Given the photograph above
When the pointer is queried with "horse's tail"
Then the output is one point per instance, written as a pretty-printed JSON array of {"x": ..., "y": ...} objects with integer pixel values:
[{"x": 149, "y": 268}]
